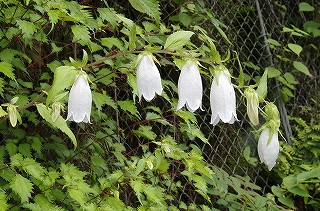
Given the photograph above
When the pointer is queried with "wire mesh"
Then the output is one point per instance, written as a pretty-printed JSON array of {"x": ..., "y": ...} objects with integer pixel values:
[{"x": 247, "y": 24}]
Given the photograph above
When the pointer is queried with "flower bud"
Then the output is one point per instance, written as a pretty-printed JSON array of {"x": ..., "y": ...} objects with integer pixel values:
[
  {"x": 56, "y": 110},
  {"x": 252, "y": 105},
  {"x": 190, "y": 87},
  {"x": 271, "y": 111},
  {"x": 13, "y": 114}
]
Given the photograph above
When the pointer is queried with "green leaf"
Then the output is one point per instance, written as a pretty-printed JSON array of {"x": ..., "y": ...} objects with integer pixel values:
[
  {"x": 290, "y": 78},
  {"x": 241, "y": 75},
  {"x": 273, "y": 42},
  {"x": 3, "y": 201},
  {"x": 301, "y": 67},
  {"x": 129, "y": 106},
  {"x": 299, "y": 191},
  {"x": 7, "y": 70},
  {"x": 22, "y": 187},
  {"x": 149, "y": 7},
  {"x": 33, "y": 168},
  {"x": 60, "y": 123},
  {"x": 2, "y": 112},
  {"x": 177, "y": 40},
  {"x": 81, "y": 34},
  {"x": 140, "y": 167},
  {"x": 273, "y": 72},
  {"x": 295, "y": 48},
  {"x": 217, "y": 24},
  {"x": 145, "y": 132},
  {"x": 305, "y": 7},
  {"x": 157, "y": 118},
  {"x": 133, "y": 37},
  {"x": 263, "y": 86},
  {"x": 64, "y": 77},
  {"x": 286, "y": 201},
  {"x": 28, "y": 28},
  {"x": 289, "y": 182},
  {"x": 102, "y": 99}
]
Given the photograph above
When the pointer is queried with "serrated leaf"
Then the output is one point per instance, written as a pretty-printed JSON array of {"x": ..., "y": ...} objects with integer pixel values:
[
  {"x": 301, "y": 67},
  {"x": 295, "y": 48},
  {"x": 157, "y": 118},
  {"x": 80, "y": 34},
  {"x": 102, "y": 99},
  {"x": 3, "y": 201},
  {"x": 22, "y": 187},
  {"x": 263, "y": 86},
  {"x": 64, "y": 77},
  {"x": 28, "y": 28},
  {"x": 140, "y": 167},
  {"x": 145, "y": 132},
  {"x": 33, "y": 168},
  {"x": 149, "y": 7},
  {"x": 25, "y": 150},
  {"x": 129, "y": 106},
  {"x": 305, "y": 7},
  {"x": 177, "y": 40},
  {"x": 60, "y": 123},
  {"x": 7, "y": 70}
]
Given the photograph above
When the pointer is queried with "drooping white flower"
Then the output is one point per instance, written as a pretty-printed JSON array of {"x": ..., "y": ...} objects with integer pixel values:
[
  {"x": 80, "y": 100},
  {"x": 222, "y": 98},
  {"x": 268, "y": 148},
  {"x": 190, "y": 87},
  {"x": 148, "y": 78},
  {"x": 252, "y": 105}
]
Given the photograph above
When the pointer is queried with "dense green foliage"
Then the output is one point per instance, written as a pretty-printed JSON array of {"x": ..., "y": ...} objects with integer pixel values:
[{"x": 134, "y": 155}]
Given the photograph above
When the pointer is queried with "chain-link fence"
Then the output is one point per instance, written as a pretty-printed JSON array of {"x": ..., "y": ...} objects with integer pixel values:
[{"x": 248, "y": 25}]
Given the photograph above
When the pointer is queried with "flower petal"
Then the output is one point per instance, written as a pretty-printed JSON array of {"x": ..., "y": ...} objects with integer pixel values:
[
  {"x": 190, "y": 87},
  {"x": 148, "y": 78},
  {"x": 80, "y": 101},
  {"x": 268, "y": 153},
  {"x": 227, "y": 99}
]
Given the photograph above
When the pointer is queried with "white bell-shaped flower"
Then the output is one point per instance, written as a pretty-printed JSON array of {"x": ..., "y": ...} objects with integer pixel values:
[
  {"x": 190, "y": 87},
  {"x": 80, "y": 100},
  {"x": 222, "y": 98},
  {"x": 148, "y": 78},
  {"x": 268, "y": 148}
]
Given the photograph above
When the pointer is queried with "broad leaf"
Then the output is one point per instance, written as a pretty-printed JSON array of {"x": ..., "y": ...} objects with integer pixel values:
[
  {"x": 273, "y": 72},
  {"x": 64, "y": 77},
  {"x": 295, "y": 48},
  {"x": 301, "y": 67},
  {"x": 22, "y": 187},
  {"x": 305, "y": 7},
  {"x": 177, "y": 40},
  {"x": 60, "y": 123}
]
